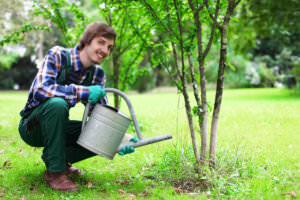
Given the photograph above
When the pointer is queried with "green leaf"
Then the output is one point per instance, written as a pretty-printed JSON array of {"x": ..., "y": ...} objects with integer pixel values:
[
  {"x": 230, "y": 65},
  {"x": 209, "y": 107},
  {"x": 234, "y": 19}
]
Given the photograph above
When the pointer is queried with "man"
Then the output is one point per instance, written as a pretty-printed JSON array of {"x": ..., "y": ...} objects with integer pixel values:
[{"x": 66, "y": 77}]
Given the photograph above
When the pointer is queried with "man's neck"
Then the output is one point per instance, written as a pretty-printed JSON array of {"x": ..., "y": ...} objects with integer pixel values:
[{"x": 84, "y": 59}]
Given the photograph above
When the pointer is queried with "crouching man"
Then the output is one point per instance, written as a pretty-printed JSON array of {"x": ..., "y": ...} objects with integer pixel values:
[{"x": 66, "y": 77}]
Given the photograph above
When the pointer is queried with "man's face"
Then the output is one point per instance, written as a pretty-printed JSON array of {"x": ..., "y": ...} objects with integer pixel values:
[{"x": 99, "y": 48}]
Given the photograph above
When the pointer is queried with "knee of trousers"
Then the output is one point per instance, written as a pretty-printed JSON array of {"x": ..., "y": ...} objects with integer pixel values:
[{"x": 58, "y": 105}]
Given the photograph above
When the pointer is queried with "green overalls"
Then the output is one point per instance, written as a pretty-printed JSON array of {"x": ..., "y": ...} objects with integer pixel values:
[{"x": 48, "y": 126}]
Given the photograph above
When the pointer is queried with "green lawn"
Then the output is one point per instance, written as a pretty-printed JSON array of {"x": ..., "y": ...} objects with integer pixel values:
[{"x": 258, "y": 152}]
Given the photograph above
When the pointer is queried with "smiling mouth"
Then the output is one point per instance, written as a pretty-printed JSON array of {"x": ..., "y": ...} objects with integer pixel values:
[{"x": 100, "y": 56}]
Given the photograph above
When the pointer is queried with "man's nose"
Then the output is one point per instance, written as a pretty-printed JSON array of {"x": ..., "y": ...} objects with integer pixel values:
[{"x": 105, "y": 50}]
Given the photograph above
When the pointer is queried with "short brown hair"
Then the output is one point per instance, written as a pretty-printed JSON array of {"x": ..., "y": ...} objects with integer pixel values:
[{"x": 96, "y": 29}]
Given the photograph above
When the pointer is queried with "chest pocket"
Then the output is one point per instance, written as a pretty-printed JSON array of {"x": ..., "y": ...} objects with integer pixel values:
[{"x": 68, "y": 76}]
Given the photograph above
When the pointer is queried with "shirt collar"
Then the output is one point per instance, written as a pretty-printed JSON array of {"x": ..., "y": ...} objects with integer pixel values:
[{"x": 75, "y": 61}]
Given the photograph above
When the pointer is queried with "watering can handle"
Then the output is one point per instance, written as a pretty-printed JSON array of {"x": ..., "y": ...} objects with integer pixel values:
[{"x": 130, "y": 107}]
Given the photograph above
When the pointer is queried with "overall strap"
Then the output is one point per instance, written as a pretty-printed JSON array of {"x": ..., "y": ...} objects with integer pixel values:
[
  {"x": 89, "y": 78},
  {"x": 66, "y": 72},
  {"x": 68, "y": 58},
  {"x": 63, "y": 78}
]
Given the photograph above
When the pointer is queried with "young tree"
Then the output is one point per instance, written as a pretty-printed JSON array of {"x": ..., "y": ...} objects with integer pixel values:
[{"x": 187, "y": 30}]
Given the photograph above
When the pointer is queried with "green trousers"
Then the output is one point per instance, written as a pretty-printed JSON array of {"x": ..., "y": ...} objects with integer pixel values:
[{"x": 49, "y": 126}]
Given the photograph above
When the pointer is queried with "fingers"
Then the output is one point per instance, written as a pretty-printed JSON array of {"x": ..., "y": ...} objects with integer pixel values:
[
  {"x": 134, "y": 139},
  {"x": 96, "y": 93},
  {"x": 127, "y": 149}
]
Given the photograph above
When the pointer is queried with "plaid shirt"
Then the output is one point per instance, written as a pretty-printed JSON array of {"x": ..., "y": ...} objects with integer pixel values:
[{"x": 44, "y": 85}]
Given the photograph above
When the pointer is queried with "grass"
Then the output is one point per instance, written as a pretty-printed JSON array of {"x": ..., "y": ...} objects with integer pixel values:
[{"x": 258, "y": 152}]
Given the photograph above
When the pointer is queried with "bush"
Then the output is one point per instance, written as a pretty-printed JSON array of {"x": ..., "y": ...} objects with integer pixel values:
[
  {"x": 267, "y": 77},
  {"x": 21, "y": 73}
]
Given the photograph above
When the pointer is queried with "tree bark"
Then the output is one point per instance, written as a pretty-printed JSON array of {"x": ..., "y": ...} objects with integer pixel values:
[
  {"x": 116, "y": 78},
  {"x": 191, "y": 126},
  {"x": 185, "y": 93},
  {"x": 203, "y": 117},
  {"x": 220, "y": 82},
  {"x": 218, "y": 97}
]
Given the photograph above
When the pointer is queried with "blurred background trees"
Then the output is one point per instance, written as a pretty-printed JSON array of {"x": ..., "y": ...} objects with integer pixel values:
[{"x": 263, "y": 45}]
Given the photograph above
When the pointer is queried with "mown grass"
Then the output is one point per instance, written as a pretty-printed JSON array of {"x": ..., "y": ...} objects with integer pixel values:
[{"x": 258, "y": 152}]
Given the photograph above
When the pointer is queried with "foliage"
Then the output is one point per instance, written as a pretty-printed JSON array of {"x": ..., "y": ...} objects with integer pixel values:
[
  {"x": 296, "y": 72},
  {"x": 18, "y": 75},
  {"x": 269, "y": 30},
  {"x": 19, "y": 35},
  {"x": 6, "y": 60},
  {"x": 68, "y": 18},
  {"x": 246, "y": 73},
  {"x": 12, "y": 14},
  {"x": 128, "y": 52}
]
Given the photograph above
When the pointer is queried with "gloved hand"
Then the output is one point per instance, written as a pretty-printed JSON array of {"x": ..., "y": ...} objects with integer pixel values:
[
  {"x": 128, "y": 149},
  {"x": 96, "y": 93}
]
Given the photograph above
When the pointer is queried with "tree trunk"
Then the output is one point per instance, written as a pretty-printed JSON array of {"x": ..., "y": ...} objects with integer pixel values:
[
  {"x": 218, "y": 97},
  {"x": 191, "y": 126},
  {"x": 203, "y": 121},
  {"x": 184, "y": 90},
  {"x": 116, "y": 78}
]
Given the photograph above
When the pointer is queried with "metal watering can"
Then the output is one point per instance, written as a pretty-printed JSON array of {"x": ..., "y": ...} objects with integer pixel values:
[{"x": 106, "y": 127}]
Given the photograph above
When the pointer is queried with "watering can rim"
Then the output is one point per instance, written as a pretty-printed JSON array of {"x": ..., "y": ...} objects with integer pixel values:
[{"x": 116, "y": 110}]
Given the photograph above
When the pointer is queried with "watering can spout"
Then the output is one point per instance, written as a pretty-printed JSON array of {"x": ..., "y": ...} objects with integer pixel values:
[{"x": 145, "y": 141}]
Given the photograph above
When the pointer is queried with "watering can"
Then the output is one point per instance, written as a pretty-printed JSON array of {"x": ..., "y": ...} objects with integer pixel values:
[{"x": 106, "y": 127}]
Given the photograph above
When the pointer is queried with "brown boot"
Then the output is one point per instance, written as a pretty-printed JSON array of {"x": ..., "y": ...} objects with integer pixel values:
[
  {"x": 70, "y": 170},
  {"x": 59, "y": 181}
]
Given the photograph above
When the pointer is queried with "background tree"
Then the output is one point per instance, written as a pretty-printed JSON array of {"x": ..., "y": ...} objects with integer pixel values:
[
  {"x": 21, "y": 37},
  {"x": 270, "y": 33},
  {"x": 128, "y": 51}
]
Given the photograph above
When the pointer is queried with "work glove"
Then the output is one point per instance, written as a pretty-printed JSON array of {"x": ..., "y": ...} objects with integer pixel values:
[
  {"x": 96, "y": 92},
  {"x": 128, "y": 149}
]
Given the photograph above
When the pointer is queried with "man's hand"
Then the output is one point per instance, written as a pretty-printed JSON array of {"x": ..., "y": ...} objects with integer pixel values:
[
  {"x": 128, "y": 149},
  {"x": 96, "y": 93}
]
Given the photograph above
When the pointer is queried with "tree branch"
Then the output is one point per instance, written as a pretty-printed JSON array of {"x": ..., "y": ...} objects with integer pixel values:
[
  {"x": 130, "y": 43},
  {"x": 168, "y": 29},
  {"x": 181, "y": 41},
  {"x": 130, "y": 64},
  {"x": 214, "y": 18},
  {"x": 173, "y": 46},
  {"x": 212, "y": 32},
  {"x": 229, "y": 11},
  {"x": 237, "y": 3},
  {"x": 121, "y": 32}
]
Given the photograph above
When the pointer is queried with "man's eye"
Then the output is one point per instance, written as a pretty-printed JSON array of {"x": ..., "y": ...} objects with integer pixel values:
[{"x": 101, "y": 42}]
